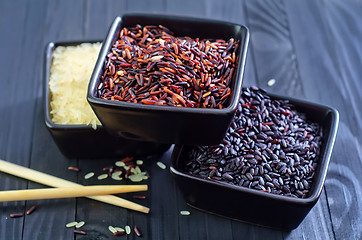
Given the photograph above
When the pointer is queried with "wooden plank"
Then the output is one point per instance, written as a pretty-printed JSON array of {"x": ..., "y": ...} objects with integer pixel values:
[
  {"x": 329, "y": 72},
  {"x": 45, "y": 156},
  {"x": 343, "y": 22},
  {"x": 164, "y": 218},
  {"x": 15, "y": 91},
  {"x": 99, "y": 16},
  {"x": 335, "y": 68},
  {"x": 155, "y": 6},
  {"x": 16, "y": 109},
  {"x": 186, "y": 8},
  {"x": 51, "y": 214},
  {"x": 64, "y": 21}
]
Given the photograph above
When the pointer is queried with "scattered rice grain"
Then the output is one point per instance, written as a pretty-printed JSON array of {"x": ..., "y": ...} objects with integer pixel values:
[
  {"x": 117, "y": 176},
  {"x": 128, "y": 229},
  {"x": 75, "y": 169},
  {"x": 119, "y": 229},
  {"x": 80, "y": 232},
  {"x": 102, "y": 176},
  {"x": 133, "y": 170},
  {"x": 139, "y": 196},
  {"x": 137, "y": 231},
  {"x": 185, "y": 213},
  {"x": 16, "y": 215},
  {"x": 112, "y": 229},
  {"x": 80, "y": 224},
  {"x": 126, "y": 168},
  {"x": 139, "y": 162},
  {"x": 271, "y": 82},
  {"x": 120, "y": 164},
  {"x": 32, "y": 209},
  {"x": 119, "y": 233},
  {"x": 71, "y": 224},
  {"x": 89, "y": 175},
  {"x": 137, "y": 177},
  {"x": 138, "y": 170},
  {"x": 161, "y": 165}
]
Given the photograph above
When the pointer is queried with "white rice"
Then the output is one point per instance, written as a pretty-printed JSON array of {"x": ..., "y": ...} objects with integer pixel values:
[{"x": 70, "y": 72}]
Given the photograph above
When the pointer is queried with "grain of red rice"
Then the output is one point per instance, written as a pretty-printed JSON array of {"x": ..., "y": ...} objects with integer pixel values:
[
  {"x": 16, "y": 215},
  {"x": 80, "y": 232},
  {"x": 137, "y": 231},
  {"x": 32, "y": 209}
]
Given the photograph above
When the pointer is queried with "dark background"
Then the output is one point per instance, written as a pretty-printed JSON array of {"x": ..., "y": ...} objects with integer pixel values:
[{"x": 311, "y": 48}]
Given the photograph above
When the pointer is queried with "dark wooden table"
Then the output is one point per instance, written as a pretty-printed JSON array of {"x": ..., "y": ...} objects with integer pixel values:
[{"x": 311, "y": 48}]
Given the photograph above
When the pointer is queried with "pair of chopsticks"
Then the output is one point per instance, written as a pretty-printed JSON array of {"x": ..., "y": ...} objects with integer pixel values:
[{"x": 64, "y": 188}]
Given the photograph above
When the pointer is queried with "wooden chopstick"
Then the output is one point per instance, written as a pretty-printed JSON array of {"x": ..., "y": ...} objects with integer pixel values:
[
  {"x": 52, "y": 181},
  {"x": 49, "y": 193}
]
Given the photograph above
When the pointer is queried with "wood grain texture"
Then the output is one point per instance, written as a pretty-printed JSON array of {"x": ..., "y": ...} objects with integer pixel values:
[
  {"x": 97, "y": 20},
  {"x": 17, "y": 102},
  {"x": 331, "y": 75},
  {"x": 156, "y": 6},
  {"x": 311, "y": 48},
  {"x": 186, "y": 8},
  {"x": 45, "y": 156},
  {"x": 344, "y": 27},
  {"x": 272, "y": 47}
]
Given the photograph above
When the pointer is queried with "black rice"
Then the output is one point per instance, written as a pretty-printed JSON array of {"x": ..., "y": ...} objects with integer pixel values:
[{"x": 269, "y": 147}]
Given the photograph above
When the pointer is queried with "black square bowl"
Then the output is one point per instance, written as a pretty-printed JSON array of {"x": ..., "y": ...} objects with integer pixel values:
[
  {"x": 82, "y": 141},
  {"x": 183, "y": 125},
  {"x": 253, "y": 206}
]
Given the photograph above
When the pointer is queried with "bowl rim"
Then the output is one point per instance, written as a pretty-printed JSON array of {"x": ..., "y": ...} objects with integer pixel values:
[
  {"x": 92, "y": 99},
  {"x": 48, "y": 53},
  {"x": 322, "y": 168}
]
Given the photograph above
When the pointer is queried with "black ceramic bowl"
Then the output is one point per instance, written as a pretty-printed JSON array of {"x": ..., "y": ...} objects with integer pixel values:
[
  {"x": 194, "y": 126},
  {"x": 253, "y": 206},
  {"x": 82, "y": 141}
]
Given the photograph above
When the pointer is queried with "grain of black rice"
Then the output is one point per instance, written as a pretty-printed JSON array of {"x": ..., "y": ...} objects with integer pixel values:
[{"x": 269, "y": 147}]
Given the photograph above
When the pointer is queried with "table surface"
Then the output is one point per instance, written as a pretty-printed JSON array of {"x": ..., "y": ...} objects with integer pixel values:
[{"x": 311, "y": 48}]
